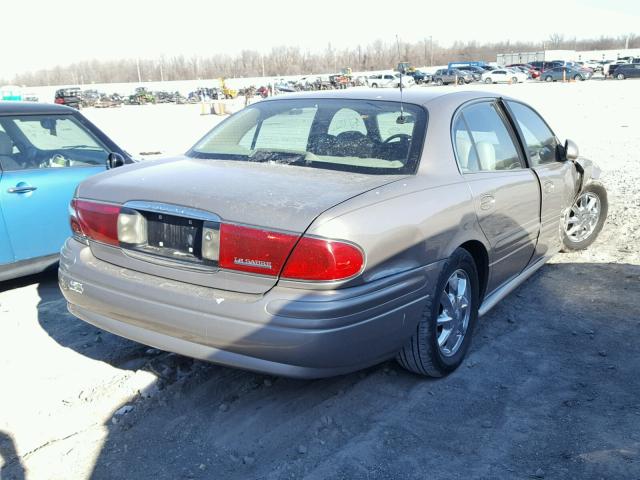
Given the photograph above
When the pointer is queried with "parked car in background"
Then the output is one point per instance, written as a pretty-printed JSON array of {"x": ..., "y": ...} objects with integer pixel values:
[
  {"x": 544, "y": 66},
  {"x": 381, "y": 80},
  {"x": 419, "y": 76},
  {"x": 526, "y": 68},
  {"x": 45, "y": 151},
  {"x": 475, "y": 72},
  {"x": 504, "y": 75},
  {"x": 389, "y": 80},
  {"x": 564, "y": 73},
  {"x": 630, "y": 70},
  {"x": 69, "y": 97},
  {"x": 446, "y": 76},
  {"x": 322, "y": 242},
  {"x": 612, "y": 67}
]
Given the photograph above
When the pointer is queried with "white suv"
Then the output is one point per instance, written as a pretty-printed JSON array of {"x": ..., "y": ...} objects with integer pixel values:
[{"x": 389, "y": 80}]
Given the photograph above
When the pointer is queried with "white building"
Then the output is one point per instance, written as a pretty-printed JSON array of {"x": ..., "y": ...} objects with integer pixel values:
[{"x": 567, "y": 55}]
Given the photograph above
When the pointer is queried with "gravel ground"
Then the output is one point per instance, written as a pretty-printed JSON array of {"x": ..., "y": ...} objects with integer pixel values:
[{"x": 550, "y": 388}]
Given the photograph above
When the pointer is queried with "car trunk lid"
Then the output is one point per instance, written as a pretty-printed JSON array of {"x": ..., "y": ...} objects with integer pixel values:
[{"x": 181, "y": 198}]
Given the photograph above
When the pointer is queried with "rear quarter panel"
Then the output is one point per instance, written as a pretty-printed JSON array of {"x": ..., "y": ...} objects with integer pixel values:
[{"x": 405, "y": 225}]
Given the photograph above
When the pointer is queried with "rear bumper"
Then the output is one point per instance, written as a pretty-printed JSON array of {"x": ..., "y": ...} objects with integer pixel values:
[{"x": 287, "y": 331}]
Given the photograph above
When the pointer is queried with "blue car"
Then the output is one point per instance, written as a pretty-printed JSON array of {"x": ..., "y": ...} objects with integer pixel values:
[
  {"x": 45, "y": 151},
  {"x": 564, "y": 74}
]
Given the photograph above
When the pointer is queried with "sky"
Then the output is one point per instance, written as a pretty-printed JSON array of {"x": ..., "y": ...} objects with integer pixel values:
[{"x": 43, "y": 33}]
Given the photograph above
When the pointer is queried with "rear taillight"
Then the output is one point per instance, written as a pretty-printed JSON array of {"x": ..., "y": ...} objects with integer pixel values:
[
  {"x": 255, "y": 250},
  {"x": 317, "y": 259},
  {"x": 59, "y": 101},
  {"x": 97, "y": 221}
]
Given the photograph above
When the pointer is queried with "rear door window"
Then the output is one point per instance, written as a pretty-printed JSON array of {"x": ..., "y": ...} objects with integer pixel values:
[{"x": 492, "y": 145}]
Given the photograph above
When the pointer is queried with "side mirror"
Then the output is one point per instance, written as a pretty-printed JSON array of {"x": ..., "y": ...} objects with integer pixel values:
[
  {"x": 570, "y": 150},
  {"x": 114, "y": 160}
]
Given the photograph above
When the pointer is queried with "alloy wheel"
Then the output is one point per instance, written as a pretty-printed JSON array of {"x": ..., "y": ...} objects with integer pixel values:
[
  {"x": 582, "y": 218},
  {"x": 454, "y": 313}
]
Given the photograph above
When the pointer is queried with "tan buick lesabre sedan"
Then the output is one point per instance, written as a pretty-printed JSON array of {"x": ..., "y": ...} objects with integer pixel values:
[{"x": 315, "y": 234}]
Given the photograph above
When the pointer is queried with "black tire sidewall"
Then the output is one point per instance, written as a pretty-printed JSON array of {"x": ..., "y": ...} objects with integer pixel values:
[
  {"x": 460, "y": 259},
  {"x": 600, "y": 191}
]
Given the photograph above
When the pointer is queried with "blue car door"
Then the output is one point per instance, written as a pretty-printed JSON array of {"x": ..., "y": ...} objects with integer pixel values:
[
  {"x": 6, "y": 252},
  {"x": 45, "y": 157},
  {"x": 35, "y": 206}
]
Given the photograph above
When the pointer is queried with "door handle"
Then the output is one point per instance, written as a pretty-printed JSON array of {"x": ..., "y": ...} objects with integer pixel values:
[
  {"x": 549, "y": 186},
  {"x": 22, "y": 189},
  {"x": 487, "y": 202}
]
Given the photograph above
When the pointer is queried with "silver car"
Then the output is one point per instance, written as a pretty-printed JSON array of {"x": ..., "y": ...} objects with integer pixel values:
[{"x": 316, "y": 234}]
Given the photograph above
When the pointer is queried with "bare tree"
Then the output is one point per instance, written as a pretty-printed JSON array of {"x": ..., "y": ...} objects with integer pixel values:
[{"x": 290, "y": 60}]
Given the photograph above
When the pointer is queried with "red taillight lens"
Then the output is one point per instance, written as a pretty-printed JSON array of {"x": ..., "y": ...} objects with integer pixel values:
[
  {"x": 315, "y": 259},
  {"x": 59, "y": 101},
  {"x": 254, "y": 250},
  {"x": 97, "y": 221}
]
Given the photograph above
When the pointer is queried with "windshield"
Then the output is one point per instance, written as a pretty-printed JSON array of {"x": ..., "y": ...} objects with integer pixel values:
[{"x": 352, "y": 135}]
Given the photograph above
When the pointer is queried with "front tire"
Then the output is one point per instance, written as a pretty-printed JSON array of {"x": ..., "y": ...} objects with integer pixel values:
[
  {"x": 445, "y": 329},
  {"x": 548, "y": 78},
  {"x": 488, "y": 81},
  {"x": 620, "y": 76},
  {"x": 439, "y": 82},
  {"x": 585, "y": 219}
]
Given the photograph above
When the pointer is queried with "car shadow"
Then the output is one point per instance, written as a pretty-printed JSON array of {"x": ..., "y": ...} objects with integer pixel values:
[
  {"x": 550, "y": 382},
  {"x": 12, "y": 467}
]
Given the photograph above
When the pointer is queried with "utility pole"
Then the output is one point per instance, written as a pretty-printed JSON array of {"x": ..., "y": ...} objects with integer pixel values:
[
  {"x": 161, "y": 72},
  {"x": 262, "y": 58},
  {"x": 431, "y": 49},
  {"x": 425, "y": 51},
  {"x": 138, "y": 67}
]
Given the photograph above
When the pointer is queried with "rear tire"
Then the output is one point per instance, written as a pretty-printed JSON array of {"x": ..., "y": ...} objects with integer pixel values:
[
  {"x": 430, "y": 351},
  {"x": 514, "y": 80},
  {"x": 586, "y": 225}
]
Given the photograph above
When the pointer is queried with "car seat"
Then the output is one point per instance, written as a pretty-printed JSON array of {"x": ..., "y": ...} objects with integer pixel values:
[{"x": 487, "y": 154}]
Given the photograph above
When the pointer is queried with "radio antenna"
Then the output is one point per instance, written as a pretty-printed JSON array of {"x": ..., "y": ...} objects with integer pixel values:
[{"x": 401, "y": 119}]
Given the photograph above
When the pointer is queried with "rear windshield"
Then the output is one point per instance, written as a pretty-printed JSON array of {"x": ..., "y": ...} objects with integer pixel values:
[{"x": 375, "y": 137}]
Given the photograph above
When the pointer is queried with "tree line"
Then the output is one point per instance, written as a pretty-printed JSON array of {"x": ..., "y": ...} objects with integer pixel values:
[{"x": 291, "y": 60}]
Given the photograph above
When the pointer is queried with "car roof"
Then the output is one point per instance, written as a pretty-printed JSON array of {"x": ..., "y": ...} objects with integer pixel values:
[
  {"x": 418, "y": 96},
  {"x": 32, "y": 108}
]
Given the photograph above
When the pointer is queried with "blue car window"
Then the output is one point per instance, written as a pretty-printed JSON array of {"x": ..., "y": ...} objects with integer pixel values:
[{"x": 48, "y": 141}]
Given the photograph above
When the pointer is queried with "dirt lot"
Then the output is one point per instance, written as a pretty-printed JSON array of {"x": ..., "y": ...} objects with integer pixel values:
[{"x": 550, "y": 389}]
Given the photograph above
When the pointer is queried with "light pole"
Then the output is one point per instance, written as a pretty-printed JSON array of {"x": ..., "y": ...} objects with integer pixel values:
[
  {"x": 431, "y": 50},
  {"x": 425, "y": 51}
]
